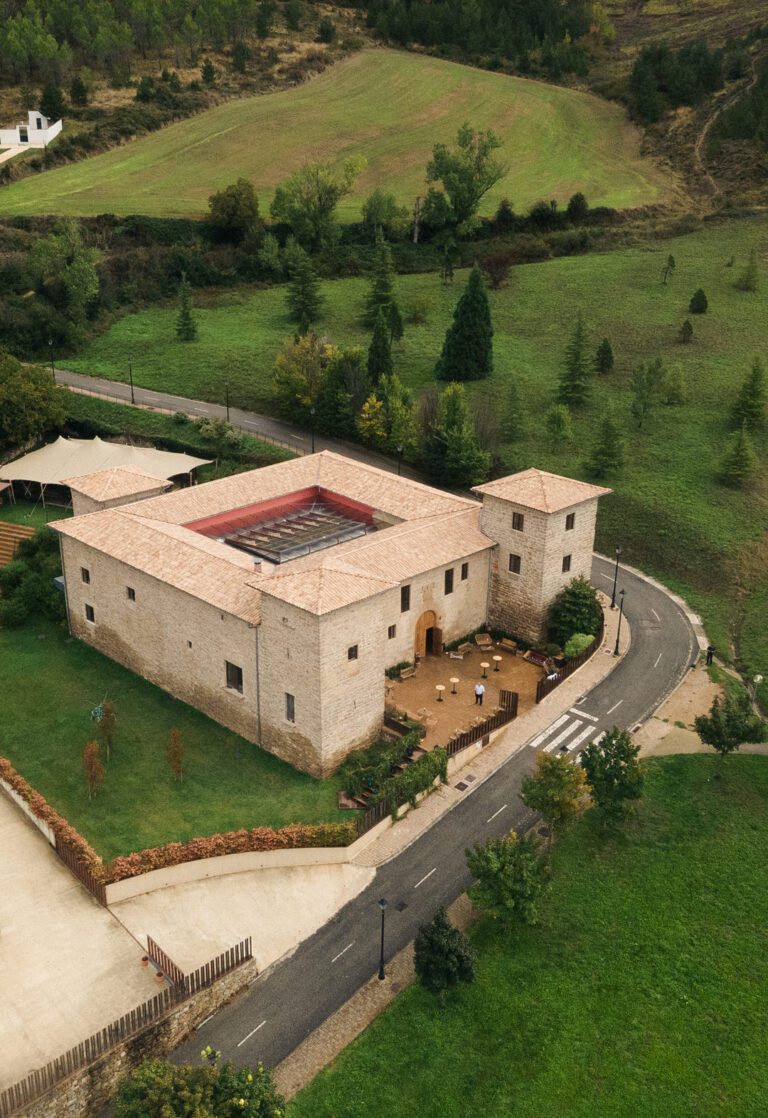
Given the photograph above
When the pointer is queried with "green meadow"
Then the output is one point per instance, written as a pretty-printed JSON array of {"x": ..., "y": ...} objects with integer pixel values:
[{"x": 390, "y": 107}]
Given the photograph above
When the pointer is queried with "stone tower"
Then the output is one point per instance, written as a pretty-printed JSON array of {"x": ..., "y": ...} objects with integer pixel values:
[{"x": 544, "y": 529}]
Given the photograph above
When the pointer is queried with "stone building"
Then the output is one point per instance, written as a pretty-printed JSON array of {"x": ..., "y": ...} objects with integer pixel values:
[{"x": 274, "y": 600}]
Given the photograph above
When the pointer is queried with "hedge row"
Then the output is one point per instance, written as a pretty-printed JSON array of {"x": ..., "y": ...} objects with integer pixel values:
[{"x": 293, "y": 837}]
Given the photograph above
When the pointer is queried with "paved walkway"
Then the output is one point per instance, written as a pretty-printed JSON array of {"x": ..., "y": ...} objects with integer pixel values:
[{"x": 9, "y": 153}]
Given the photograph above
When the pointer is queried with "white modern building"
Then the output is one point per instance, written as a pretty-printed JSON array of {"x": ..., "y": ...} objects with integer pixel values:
[{"x": 36, "y": 133}]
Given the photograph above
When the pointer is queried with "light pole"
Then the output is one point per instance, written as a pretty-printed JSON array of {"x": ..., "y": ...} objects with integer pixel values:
[
  {"x": 621, "y": 614},
  {"x": 312, "y": 424},
  {"x": 130, "y": 378},
  {"x": 383, "y": 907},
  {"x": 226, "y": 397},
  {"x": 399, "y": 459},
  {"x": 50, "y": 351},
  {"x": 757, "y": 680},
  {"x": 615, "y": 577}
]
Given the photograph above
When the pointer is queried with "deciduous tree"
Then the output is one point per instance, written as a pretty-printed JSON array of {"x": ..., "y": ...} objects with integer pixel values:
[
  {"x": 576, "y": 609},
  {"x": 160, "y": 1089},
  {"x": 614, "y": 773},
  {"x": 107, "y": 725},
  {"x": 233, "y": 213},
  {"x": 669, "y": 269},
  {"x": 442, "y": 956},
  {"x": 450, "y": 452},
  {"x": 510, "y": 877},
  {"x": 299, "y": 376},
  {"x": 307, "y": 201},
  {"x": 30, "y": 403},
  {"x": 468, "y": 347},
  {"x": 65, "y": 270},
  {"x": 730, "y": 723},
  {"x": 749, "y": 280},
  {"x": 557, "y": 789},
  {"x": 467, "y": 171}
]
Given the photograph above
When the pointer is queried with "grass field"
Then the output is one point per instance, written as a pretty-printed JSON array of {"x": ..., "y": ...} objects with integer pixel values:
[
  {"x": 389, "y": 106},
  {"x": 50, "y": 683},
  {"x": 34, "y": 516},
  {"x": 641, "y": 994},
  {"x": 669, "y": 512}
]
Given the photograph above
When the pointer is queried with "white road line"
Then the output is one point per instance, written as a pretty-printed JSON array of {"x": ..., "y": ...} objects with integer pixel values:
[
  {"x": 583, "y": 714},
  {"x": 545, "y": 733},
  {"x": 424, "y": 878},
  {"x": 580, "y": 738},
  {"x": 599, "y": 738},
  {"x": 346, "y": 949},
  {"x": 250, "y": 1034},
  {"x": 655, "y": 614},
  {"x": 657, "y": 661},
  {"x": 497, "y": 813},
  {"x": 571, "y": 728},
  {"x": 608, "y": 578},
  {"x": 615, "y": 706},
  {"x": 205, "y": 1022}
]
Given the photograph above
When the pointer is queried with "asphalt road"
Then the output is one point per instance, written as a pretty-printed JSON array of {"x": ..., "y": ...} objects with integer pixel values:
[{"x": 289, "y": 1000}]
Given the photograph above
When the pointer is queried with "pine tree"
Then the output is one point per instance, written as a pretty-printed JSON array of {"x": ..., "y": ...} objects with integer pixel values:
[
  {"x": 442, "y": 956},
  {"x": 699, "y": 302},
  {"x": 686, "y": 332},
  {"x": 559, "y": 425},
  {"x": 78, "y": 91},
  {"x": 668, "y": 269},
  {"x": 749, "y": 278},
  {"x": 608, "y": 451},
  {"x": 379, "y": 351},
  {"x": 450, "y": 452},
  {"x": 740, "y": 463},
  {"x": 576, "y": 376},
  {"x": 303, "y": 296},
  {"x": 382, "y": 293},
  {"x": 52, "y": 101},
  {"x": 207, "y": 72},
  {"x": 749, "y": 407},
  {"x": 396, "y": 327},
  {"x": 186, "y": 328},
  {"x": 604, "y": 357},
  {"x": 468, "y": 348}
]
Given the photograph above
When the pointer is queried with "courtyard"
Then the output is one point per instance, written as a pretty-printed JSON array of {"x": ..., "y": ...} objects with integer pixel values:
[{"x": 456, "y": 710}]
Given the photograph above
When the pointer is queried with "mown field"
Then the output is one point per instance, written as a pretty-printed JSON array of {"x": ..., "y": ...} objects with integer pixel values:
[
  {"x": 49, "y": 685},
  {"x": 641, "y": 993},
  {"x": 390, "y": 107}
]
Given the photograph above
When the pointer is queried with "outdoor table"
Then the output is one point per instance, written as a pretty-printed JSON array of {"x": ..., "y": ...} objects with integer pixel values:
[
  {"x": 485, "y": 666},
  {"x": 496, "y": 662},
  {"x": 439, "y": 687},
  {"x": 454, "y": 681}
]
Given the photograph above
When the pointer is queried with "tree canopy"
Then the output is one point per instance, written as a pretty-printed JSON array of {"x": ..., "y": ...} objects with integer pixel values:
[
  {"x": 307, "y": 201},
  {"x": 467, "y": 171},
  {"x": 613, "y": 772},
  {"x": 442, "y": 956},
  {"x": 576, "y": 609},
  {"x": 160, "y": 1089},
  {"x": 30, "y": 403},
  {"x": 468, "y": 347},
  {"x": 509, "y": 878}
]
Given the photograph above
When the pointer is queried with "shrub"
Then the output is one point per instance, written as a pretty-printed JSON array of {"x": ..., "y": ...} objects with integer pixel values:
[
  {"x": 698, "y": 303},
  {"x": 577, "y": 644},
  {"x": 575, "y": 610}
]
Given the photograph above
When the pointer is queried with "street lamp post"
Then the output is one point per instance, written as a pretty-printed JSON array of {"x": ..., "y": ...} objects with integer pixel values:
[
  {"x": 399, "y": 459},
  {"x": 130, "y": 378},
  {"x": 50, "y": 352},
  {"x": 383, "y": 907},
  {"x": 312, "y": 423},
  {"x": 621, "y": 614},
  {"x": 615, "y": 578}
]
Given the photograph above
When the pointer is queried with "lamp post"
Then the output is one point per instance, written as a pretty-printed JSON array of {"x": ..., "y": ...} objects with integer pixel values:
[
  {"x": 615, "y": 578},
  {"x": 226, "y": 397},
  {"x": 757, "y": 680},
  {"x": 383, "y": 907},
  {"x": 312, "y": 423},
  {"x": 130, "y": 378},
  {"x": 399, "y": 459},
  {"x": 50, "y": 352},
  {"x": 621, "y": 614}
]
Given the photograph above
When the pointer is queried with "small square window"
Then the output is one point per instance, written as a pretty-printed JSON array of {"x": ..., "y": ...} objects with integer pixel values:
[
  {"x": 234, "y": 677},
  {"x": 392, "y": 632},
  {"x": 405, "y": 599},
  {"x": 89, "y": 614},
  {"x": 352, "y": 652},
  {"x": 131, "y": 594},
  {"x": 464, "y": 572},
  {"x": 189, "y": 644},
  {"x": 290, "y": 707},
  {"x": 85, "y": 575},
  {"x": 518, "y": 522},
  {"x": 449, "y": 581},
  {"x": 566, "y": 563},
  {"x": 570, "y": 520},
  {"x": 514, "y": 564}
]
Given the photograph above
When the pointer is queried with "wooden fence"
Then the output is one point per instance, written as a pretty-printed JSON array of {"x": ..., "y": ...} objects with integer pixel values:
[
  {"x": 546, "y": 686},
  {"x": 165, "y": 964},
  {"x": 372, "y": 816},
  {"x": 129, "y": 1025},
  {"x": 508, "y": 712},
  {"x": 71, "y": 860}
]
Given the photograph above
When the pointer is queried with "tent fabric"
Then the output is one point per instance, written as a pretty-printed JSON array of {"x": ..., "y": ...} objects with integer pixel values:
[{"x": 69, "y": 458}]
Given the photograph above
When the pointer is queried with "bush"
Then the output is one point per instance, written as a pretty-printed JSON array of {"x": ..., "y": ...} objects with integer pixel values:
[
  {"x": 577, "y": 644},
  {"x": 698, "y": 303},
  {"x": 575, "y": 610},
  {"x": 26, "y": 585}
]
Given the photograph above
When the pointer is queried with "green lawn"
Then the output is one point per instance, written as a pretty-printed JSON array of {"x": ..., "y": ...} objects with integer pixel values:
[
  {"x": 34, "y": 515},
  {"x": 50, "y": 683},
  {"x": 641, "y": 994},
  {"x": 389, "y": 106}
]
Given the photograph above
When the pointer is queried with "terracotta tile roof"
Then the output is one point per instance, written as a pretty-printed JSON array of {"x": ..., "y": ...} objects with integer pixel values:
[
  {"x": 537, "y": 489},
  {"x": 202, "y": 568},
  {"x": 120, "y": 481},
  {"x": 328, "y": 584}
]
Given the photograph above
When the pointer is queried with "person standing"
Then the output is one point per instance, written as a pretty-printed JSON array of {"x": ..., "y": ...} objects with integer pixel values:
[
  {"x": 479, "y": 693},
  {"x": 710, "y": 653}
]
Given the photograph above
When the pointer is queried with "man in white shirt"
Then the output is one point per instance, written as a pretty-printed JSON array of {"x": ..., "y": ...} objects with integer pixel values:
[{"x": 479, "y": 692}]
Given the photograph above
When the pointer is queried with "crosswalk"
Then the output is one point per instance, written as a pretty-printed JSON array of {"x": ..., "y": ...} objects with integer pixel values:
[{"x": 570, "y": 733}]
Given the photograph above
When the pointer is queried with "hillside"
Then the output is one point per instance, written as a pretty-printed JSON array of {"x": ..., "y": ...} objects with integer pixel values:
[{"x": 390, "y": 107}]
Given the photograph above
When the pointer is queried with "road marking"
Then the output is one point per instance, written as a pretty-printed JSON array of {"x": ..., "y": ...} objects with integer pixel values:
[
  {"x": 250, "y": 1034},
  {"x": 205, "y": 1022},
  {"x": 655, "y": 614},
  {"x": 424, "y": 878},
  {"x": 571, "y": 728},
  {"x": 580, "y": 738},
  {"x": 615, "y": 706},
  {"x": 608, "y": 578},
  {"x": 346, "y": 949},
  {"x": 657, "y": 661},
  {"x": 583, "y": 714},
  {"x": 599, "y": 738},
  {"x": 545, "y": 733},
  {"x": 497, "y": 813}
]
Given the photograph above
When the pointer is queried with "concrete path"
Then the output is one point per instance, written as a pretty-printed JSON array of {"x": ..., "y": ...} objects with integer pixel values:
[
  {"x": 9, "y": 153},
  {"x": 67, "y": 967}
]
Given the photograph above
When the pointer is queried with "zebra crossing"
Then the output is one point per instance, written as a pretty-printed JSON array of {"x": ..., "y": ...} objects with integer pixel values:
[{"x": 570, "y": 733}]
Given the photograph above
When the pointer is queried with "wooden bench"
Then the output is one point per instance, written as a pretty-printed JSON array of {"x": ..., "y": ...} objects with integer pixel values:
[
  {"x": 464, "y": 648},
  {"x": 539, "y": 658},
  {"x": 406, "y": 673},
  {"x": 483, "y": 640},
  {"x": 508, "y": 645}
]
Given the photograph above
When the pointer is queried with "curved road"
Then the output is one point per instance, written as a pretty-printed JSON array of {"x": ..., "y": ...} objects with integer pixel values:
[{"x": 289, "y": 1000}]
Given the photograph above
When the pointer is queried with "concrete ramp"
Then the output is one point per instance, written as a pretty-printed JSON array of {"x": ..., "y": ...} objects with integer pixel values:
[{"x": 10, "y": 152}]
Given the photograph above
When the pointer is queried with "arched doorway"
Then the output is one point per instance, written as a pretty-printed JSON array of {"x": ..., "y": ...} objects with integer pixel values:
[{"x": 428, "y": 639}]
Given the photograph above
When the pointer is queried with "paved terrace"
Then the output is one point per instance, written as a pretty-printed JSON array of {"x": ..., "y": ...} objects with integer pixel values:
[{"x": 417, "y": 696}]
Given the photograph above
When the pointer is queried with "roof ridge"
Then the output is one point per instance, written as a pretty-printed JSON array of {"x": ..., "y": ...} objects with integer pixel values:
[{"x": 401, "y": 479}]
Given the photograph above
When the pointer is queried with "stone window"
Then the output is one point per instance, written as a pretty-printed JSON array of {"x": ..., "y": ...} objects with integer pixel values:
[
  {"x": 518, "y": 522},
  {"x": 566, "y": 563},
  {"x": 89, "y": 614},
  {"x": 570, "y": 520},
  {"x": 464, "y": 572},
  {"x": 290, "y": 707},
  {"x": 405, "y": 599},
  {"x": 85, "y": 574},
  {"x": 449, "y": 581},
  {"x": 352, "y": 652},
  {"x": 131, "y": 594},
  {"x": 189, "y": 644},
  {"x": 234, "y": 677},
  {"x": 514, "y": 564},
  {"x": 392, "y": 632}
]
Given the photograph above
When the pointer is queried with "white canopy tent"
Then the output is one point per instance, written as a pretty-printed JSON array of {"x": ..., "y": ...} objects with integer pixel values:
[{"x": 69, "y": 458}]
